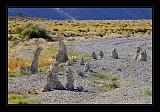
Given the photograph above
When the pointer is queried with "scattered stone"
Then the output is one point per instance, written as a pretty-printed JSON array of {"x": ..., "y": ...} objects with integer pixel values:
[
  {"x": 52, "y": 79},
  {"x": 119, "y": 69},
  {"x": 138, "y": 49},
  {"x": 80, "y": 73},
  {"x": 34, "y": 66},
  {"x": 82, "y": 62},
  {"x": 69, "y": 81},
  {"x": 101, "y": 54},
  {"x": 114, "y": 54},
  {"x": 80, "y": 89},
  {"x": 103, "y": 68},
  {"x": 94, "y": 55}
]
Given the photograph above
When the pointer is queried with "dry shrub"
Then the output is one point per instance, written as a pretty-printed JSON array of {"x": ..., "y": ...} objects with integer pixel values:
[
  {"x": 45, "y": 62},
  {"x": 14, "y": 63}
]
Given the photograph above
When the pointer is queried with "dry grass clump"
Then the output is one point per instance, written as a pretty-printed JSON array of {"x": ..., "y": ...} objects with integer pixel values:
[
  {"x": 15, "y": 63},
  {"x": 100, "y": 75},
  {"x": 106, "y": 83},
  {"x": 110, "y": 86},
  {"x": 45, "y": 62}
]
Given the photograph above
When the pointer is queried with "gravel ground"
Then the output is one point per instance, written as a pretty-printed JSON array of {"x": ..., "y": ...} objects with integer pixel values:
[{"x": 134, "y": 77}]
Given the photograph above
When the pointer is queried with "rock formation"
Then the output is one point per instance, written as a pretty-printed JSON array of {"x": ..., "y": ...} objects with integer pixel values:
[
  {"x": 62, "y": 57},
  {"x": 114, "y": 54},
  {"x": 137, "y": 53},
  {"x": 34, "y": 66},
  {"x": 69, "y": 79},
  {"x": 142, "y": 56},
  {"x": 52, "y": 78},
  {"x": 94, "y": 55}
]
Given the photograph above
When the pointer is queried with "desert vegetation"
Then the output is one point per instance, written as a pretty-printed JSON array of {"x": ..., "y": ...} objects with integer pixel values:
[{"x": 87, "y": 29}]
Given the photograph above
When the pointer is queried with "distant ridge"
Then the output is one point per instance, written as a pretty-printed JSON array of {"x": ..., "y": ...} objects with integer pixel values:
[{"x": 83, "y": 13}]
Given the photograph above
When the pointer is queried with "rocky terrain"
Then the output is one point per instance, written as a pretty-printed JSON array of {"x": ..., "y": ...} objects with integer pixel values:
[{"x": 133, "y": 77}]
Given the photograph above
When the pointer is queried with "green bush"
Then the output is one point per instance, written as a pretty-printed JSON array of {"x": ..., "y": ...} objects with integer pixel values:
[
  {"x": 29, "y": 31},
  {"x": 34, "y": 32},
  {"x": 17, "y": 30},
  {"x": 114, "y": 78},
  {"x": 148, "y": 92},
  {"x": 20, "y": 99},
  {"x": 110, "y": 86},
  {"x": 100, "y": 75}
]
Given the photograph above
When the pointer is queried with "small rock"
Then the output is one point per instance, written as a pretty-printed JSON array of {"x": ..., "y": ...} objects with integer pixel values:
[
  {"x": 103, "y": 68},
  {"x": 80, "y": 89},
  {"x": 87, "y": 67},
  {"x": 69, "y": 63},
  {"x": 114, "y": 54},
  {"x": 138, "y": 49},
  {"x": 143, "y": 56},
  {"x": 119, "y": 69},
  {"x": 82, "y": 62},
  {"x": 101, "y": 54},
  {"x": 80, "y": 73},
  {"x": 94, "y": 56}
]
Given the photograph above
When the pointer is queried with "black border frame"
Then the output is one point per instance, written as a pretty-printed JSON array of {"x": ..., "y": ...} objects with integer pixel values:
[{"x": 147, "y": 107}]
